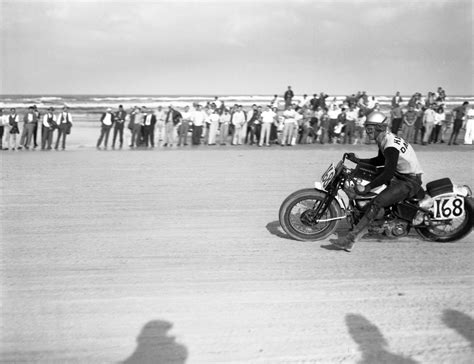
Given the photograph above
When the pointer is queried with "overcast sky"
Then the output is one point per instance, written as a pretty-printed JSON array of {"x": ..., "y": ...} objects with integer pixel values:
[{"x": 235, "y": 47}]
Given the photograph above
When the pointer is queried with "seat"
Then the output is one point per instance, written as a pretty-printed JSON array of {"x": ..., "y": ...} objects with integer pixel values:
[{"x": 418, "y": 197}]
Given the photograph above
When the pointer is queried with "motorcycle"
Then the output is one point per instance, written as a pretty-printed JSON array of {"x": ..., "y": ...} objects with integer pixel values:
[{"x": 442, "y": 213}]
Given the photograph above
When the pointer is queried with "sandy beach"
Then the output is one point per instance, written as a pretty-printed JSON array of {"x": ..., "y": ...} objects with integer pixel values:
[{"x": 172, "y": 256}]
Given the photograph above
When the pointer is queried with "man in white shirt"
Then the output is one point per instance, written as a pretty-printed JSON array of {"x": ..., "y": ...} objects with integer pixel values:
[
  {"x": 199, "y": 117},
  {"x": 107, "y": 120},
  {"x": 64, "y": 121},
  {"x": 149, "y": 122},
  {"x": 183, "y": 126},
  {"x": 333, "y": 114},
  {"x": 429, "y": 119},
  {"x": 224, "y": 121},
  {"x": 238, "y": 120},
  {"x": 267, "y": 117},
  {"x": 213, "y": 126},
  {"x": 469, "y": 125},
  {"x": 160, "y": 125},
  {"x": 289, "y": 122},
  {"x": 47, "y": 129}
]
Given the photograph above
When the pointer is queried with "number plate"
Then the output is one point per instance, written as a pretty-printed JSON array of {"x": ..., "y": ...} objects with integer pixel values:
[
  {"x": 328, "y": 176},
  {"x": 448, "y": 207}
]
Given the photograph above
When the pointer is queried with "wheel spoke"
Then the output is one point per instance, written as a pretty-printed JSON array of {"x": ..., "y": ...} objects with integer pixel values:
[{"x": 301, "y": 207}]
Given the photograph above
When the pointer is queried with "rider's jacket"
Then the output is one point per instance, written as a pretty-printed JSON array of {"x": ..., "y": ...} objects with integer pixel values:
[{"x": 407, "y": 160}]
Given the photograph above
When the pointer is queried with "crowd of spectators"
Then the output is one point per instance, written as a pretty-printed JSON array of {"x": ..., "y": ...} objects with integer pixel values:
[{"x": 303, "y": 120}]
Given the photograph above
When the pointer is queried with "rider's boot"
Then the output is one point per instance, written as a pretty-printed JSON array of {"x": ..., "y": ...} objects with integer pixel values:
[{"x": 347, "y": 242}]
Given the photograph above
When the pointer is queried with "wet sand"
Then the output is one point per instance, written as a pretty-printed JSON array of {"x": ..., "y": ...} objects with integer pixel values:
[{"x": 175, "y": 256}]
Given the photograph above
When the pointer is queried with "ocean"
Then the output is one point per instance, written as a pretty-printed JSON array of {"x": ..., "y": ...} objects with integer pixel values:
[{"x": 91, "y": 104}]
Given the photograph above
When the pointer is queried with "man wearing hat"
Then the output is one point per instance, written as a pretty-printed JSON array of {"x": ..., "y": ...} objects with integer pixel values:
[
  {"x": 47, "y": 129},
  {"x": 107, "y": 120},
  {"x": 28, "y": 128},
  {"x": 64, "y": 127}
]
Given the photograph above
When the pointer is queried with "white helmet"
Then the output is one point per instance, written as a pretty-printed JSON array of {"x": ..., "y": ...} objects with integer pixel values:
[{"x": 376, "y": 118}]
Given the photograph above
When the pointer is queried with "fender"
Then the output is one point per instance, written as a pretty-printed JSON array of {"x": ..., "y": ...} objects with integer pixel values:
[{"x": 342, "y": 200}]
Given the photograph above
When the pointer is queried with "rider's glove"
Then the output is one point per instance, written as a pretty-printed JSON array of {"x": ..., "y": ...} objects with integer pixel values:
[
  {"x": 352, "y": 157},
  {"x": 362, "y": 190}
]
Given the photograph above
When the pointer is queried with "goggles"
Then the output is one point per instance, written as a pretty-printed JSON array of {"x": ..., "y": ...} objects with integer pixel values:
[{"x": 369, "y": 129}]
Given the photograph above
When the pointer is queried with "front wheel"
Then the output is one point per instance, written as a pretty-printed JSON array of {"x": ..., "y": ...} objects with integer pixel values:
[
  {"x": 297, "y": 212},
  {"x": 450, "y": 230}
]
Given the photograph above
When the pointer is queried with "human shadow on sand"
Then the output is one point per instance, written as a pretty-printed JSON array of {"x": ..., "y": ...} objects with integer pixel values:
[
  {"x": 372, "y": 344},
  {"x": 460, "y": 322},
  {"x": 155, "y": 346}
]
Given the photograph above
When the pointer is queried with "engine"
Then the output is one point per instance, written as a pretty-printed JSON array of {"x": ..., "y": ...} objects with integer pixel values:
[{"x": 396, "y": 228}]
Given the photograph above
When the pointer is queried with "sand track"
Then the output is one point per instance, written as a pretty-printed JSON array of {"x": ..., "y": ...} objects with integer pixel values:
[{"x": 103, "y": 251}]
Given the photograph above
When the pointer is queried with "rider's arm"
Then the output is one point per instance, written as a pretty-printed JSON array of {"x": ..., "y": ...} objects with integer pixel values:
[
  {"x": 379, "y": 160},
  {"x": 391, "y": 160}
]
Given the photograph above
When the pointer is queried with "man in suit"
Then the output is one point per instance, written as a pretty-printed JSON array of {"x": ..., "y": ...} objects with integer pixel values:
[
  {"x": 120, "y": 116},
  {"x": 47, "y": 128},
  {"x": 149, "y": 122},
  {"x": 28, "y": 129},
  {"x": 64, "y": 127}
]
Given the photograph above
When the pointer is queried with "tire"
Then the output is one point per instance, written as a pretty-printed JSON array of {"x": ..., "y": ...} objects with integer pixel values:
[
  {"x": 465, "y": 224},
  {"x": 290, "y": 220}
]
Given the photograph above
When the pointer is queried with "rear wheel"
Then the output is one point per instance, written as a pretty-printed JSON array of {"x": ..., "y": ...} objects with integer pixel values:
[
  {"x": 446, "y": 231},
  {"x": 297, "y": 213}
]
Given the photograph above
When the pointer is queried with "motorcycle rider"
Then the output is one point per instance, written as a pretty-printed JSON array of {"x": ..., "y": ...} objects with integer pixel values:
[{"x": 401, "y": 173}]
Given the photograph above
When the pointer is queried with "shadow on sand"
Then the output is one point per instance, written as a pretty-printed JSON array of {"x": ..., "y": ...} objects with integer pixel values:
[
  {"x": 460, "y": 322},
  {"x": 275, "y": 229},
  {"x": 155, "y": 346},
  {"x": 372, "y": 344}
]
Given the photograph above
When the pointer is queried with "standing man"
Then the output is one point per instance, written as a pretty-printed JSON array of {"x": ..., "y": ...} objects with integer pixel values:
[
  {"x": 397, "y": 116},
  {"x": 13, "y": 121},
  {"x": 47, "y": 128},
  {"x": 107, "y": 120},
  {"x": 289, "y": 123},
  {"x": 35, "y": 130},
  {"x": 160, "y": 125},
  {"x": 288, "y": 96},
  {"x": 396, "y": 100},
  {"x": 198, "y": 118},
  {"x": 238, "y": 120},
  {"x": 469, "y": 127},
  {"x": 29, "y": 122},
  {"x": 351, "y": 117},
  {"x": 149, "y": 122},
  {"x": 333, "y": 114},
  {"x": 136, "y": 121},
  {"x": 429, "y": 119},
  {"x": 252, "y": 117},
  {"x": 409, "y": 119},
  {"x": 458, "y": 115},
  {"x": 2, "y": 128},
  {"x": 183, "y": 128},
  {"x": 64, "y": 127},
  {"x": 119, "y": 124},
  {"x": 268, "y": 116},
  {"x": 213, "y": 126},
  {"x": 419, "y": 128},
  {"x": 224, "y": 121},
  {"x": 274, "y": 102},
  {"x": 173, "y": 117}
]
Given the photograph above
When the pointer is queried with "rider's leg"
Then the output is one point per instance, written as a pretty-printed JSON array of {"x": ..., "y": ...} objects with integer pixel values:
[{"x": 398, "y": 190}]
